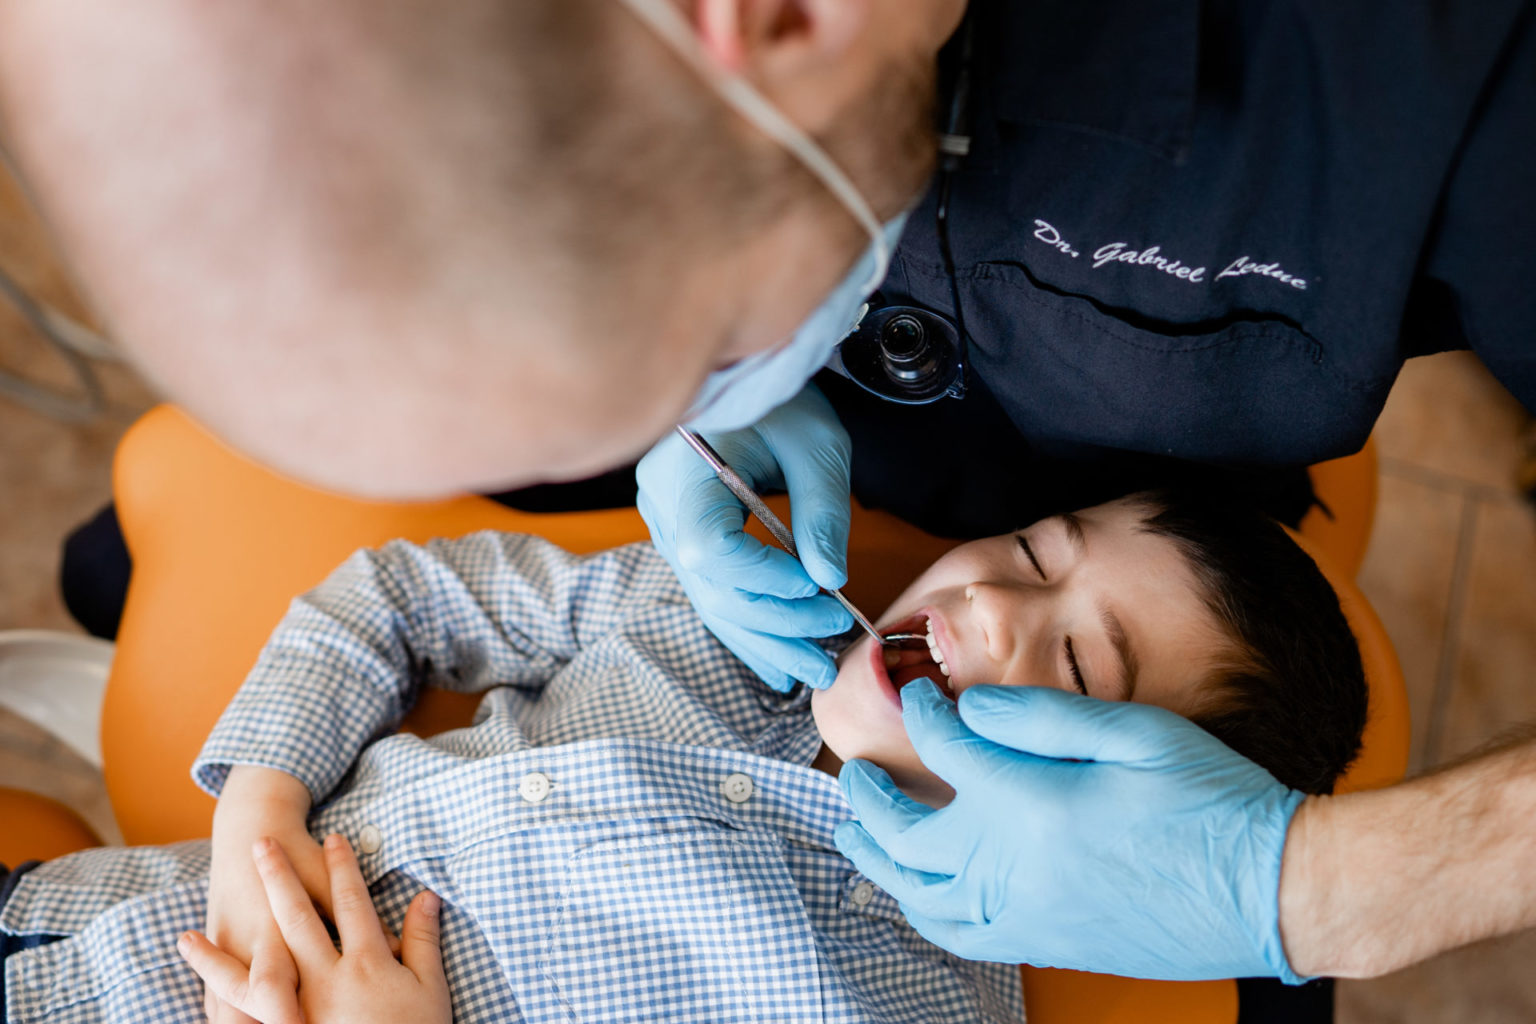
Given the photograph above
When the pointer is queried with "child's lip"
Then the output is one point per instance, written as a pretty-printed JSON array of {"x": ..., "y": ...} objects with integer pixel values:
[
  {"x": 916, "y": 622},
  {"x": 882, "y": 675}
]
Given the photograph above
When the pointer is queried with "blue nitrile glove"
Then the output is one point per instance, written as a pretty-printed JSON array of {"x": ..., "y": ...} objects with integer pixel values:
[
  {"x": 1153, "y": 852},
  {"x": 758, "y": 599}
]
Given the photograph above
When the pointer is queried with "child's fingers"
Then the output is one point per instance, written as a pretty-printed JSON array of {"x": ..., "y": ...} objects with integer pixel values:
[
  {"x": 225, "y": 977},
  {"x": 421, "y": 938},
  {"x": 274, "y": 985},
  {"x": 308, "y": 860},
  {"x": 248, "y": 994},
  {"x": 314, "y": 871},
  {"x": 214, "y": 1008},
  {"x": 357, "y": 922},
  {"x": 295, "y": 914}
]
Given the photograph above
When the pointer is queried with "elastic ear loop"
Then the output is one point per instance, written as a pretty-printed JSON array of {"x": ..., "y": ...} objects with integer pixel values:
[{"x": 668, "y": 23}]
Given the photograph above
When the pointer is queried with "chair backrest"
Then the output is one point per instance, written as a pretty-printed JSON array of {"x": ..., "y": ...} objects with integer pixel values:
[
  {"x": 1340, "y": 526},
  {"x": 220, "y": 545},
  {"x": 39, "y": 828}
]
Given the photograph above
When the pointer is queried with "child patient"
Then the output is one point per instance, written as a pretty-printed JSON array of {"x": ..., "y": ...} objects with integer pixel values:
[{"x": 635, "y": 827}]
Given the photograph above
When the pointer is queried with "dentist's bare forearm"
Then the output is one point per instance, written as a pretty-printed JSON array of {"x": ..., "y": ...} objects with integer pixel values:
[{"x": 1376, "y": 881}]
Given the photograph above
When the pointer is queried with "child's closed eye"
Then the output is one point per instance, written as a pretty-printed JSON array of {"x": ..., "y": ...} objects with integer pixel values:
[{"x": 1072, "y": 666}]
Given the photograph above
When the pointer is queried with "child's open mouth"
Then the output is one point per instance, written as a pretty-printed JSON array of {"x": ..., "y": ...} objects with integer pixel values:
[{"x": 914, "y": 660}]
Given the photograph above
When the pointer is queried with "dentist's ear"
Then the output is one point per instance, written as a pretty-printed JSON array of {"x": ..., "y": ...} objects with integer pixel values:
[{"x": 766, "y": 39}]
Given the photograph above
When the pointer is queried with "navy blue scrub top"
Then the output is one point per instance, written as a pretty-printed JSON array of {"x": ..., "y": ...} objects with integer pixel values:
[{"x": 1209, "y": 234}]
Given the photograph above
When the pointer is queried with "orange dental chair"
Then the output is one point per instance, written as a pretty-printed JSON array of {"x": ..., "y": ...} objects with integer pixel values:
[{"x": 220, "y": 545}]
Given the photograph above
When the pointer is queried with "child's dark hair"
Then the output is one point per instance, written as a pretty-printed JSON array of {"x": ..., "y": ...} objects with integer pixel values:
[{"x": 1291, "y": 693}]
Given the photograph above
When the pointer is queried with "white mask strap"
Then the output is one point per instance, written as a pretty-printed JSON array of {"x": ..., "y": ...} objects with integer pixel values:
[{"x": 668, "y": 23}]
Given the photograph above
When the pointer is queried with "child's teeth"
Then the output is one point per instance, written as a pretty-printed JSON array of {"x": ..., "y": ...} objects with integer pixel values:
[{"x": 933, "y": 649}]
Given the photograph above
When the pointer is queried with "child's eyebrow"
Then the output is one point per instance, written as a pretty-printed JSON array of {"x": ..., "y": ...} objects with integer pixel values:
[{"x": 1074, "y": 527}]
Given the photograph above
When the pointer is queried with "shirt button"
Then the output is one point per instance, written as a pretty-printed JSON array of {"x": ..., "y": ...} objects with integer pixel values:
[
  {"x": 862, "y": 894},
  {"x": 534, "y": 787},
  {"x": 369, "y": 839},
  {"x": 738, "y": 788}
]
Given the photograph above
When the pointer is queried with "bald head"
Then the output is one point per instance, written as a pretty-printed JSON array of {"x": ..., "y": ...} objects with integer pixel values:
[{"x": 402, "y": 247}]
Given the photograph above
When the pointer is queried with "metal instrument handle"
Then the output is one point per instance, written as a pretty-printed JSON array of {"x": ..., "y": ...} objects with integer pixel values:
[{"x": 765, "y": 515}]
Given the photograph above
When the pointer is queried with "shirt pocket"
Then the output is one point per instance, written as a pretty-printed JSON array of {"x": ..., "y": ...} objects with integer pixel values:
[
  {"x": 1242, "y": 386},
  {"x": 700, "y": 924}
]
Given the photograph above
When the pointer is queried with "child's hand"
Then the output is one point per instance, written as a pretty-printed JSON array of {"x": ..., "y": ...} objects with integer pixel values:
[
  {"x": 256, "y": 802},
  {"x": 362, "y": 982}
]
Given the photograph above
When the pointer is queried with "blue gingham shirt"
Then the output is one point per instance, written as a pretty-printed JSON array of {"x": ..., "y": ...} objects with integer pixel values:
[{"x": 630, "y": 830}]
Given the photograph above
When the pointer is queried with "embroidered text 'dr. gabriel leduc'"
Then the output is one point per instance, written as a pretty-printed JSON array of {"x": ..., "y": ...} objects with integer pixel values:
[{"x": 1153, "y": 258}]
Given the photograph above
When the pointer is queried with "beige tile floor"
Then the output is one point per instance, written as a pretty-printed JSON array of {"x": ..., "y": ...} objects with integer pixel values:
[{"x": 1451, "y": 569}]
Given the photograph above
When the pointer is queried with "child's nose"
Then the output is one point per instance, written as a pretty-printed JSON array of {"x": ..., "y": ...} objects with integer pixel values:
[{"x": 1000, "y": 611}]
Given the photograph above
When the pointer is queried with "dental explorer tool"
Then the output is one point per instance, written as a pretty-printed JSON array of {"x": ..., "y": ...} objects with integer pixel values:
[{"x": 765, "y": 515}]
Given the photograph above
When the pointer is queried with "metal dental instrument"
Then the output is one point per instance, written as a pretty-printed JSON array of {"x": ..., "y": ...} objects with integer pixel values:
[{"x": 765, "y": 515}]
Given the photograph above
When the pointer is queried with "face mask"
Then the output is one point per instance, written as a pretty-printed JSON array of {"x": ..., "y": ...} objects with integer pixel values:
[
  {"x": 747, "y": 390},
  {"x": 743, "y": 392}
]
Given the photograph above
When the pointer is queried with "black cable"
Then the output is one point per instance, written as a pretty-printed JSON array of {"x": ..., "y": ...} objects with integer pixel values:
[{"x": 954, "y": 147}]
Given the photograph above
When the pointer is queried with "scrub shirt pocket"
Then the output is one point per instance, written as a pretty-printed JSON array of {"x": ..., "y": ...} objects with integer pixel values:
[
  {"x": 1241, "y": 386},
  {"x": 669, "y": 927}
]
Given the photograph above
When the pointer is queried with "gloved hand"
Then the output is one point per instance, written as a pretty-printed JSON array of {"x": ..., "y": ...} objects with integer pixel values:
[
  {"x": 758, "y": 599},
  {"x": 1117, "y": 838}
]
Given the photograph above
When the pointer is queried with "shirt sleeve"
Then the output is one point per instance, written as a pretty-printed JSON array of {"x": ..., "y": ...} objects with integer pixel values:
[
  {"x": 1477, "y": 277},
  {"x": 349, "y": 658}
]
